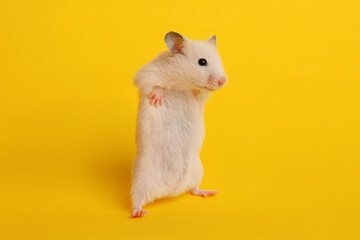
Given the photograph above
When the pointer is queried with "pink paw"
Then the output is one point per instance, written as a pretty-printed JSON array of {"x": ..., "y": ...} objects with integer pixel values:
[
  {"x": 156, "y": 96},
  {"x": 196, "y": 92},
  {"x": 138, "y": 213},
  {"x": 203, "y": 193}
]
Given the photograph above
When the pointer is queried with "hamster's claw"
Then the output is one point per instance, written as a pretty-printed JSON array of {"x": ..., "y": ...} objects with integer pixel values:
[
  {"x": 157, "y": 96},
  {"x": 203, "y": 193},
  {"x": 138, "y": 213}
]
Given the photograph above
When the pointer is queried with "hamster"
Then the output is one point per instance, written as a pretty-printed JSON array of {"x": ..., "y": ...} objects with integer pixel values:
[{"x": 173, "y": 89}]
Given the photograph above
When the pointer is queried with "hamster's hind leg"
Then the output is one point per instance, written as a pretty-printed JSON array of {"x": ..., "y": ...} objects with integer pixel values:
[
  {"x": 203, "y": 193},
  {"x": 144, "y": 190},
  {"x": 196, "y": 180},
  {"x": 140, "y": 194},
  {"x": 139, "y": 200}
]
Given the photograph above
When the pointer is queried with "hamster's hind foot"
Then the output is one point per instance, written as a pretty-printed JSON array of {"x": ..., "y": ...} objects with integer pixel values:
[
  {"x": 138, "y": 213},
  {"x": 157, "y": 96},
  {"x": 203, "y": 193}
]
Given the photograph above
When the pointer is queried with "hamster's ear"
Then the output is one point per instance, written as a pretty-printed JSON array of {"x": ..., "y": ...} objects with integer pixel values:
[
  {"x": 212, "y": 41},
  {"x": 175, "y": 42}
]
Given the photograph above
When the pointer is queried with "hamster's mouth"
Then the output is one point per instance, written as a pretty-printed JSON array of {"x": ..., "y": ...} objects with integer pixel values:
[
  {"x": 210, "y": 89},
  {"x": 207, "y": 88}
]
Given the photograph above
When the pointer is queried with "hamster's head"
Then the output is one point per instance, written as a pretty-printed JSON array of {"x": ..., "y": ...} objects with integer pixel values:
[{"x": 196, "y": 62}]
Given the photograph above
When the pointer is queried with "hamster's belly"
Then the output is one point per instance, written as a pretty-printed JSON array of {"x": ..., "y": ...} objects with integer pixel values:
[
  {"x": 183, "y": 121},
  {"x": 173, "y": 133}
]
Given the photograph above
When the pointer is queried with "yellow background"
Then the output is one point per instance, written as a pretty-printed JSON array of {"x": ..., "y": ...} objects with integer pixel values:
[{"x": 282, "y": 138}]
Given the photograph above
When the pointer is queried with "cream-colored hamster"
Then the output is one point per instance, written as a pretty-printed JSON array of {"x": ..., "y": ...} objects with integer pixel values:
[{"x": 173, "y": 90}]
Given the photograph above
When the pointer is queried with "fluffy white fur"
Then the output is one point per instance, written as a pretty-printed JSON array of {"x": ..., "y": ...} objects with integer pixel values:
[{"x": 170, "y": 136}]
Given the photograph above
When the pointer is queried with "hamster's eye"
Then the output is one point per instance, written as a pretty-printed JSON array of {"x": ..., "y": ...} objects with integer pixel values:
[{"x": 202, "y": 62}]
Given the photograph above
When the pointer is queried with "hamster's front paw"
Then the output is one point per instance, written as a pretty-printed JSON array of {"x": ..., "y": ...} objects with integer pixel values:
[
  {"x": 156, "y": 96},
  {"x": 196, "y": 92}
]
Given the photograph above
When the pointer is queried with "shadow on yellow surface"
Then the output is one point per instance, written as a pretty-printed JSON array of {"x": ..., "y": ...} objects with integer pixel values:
[{"x": 116, "y": 173}]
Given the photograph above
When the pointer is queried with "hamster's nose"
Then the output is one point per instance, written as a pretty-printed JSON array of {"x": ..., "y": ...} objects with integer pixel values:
[{"x": 221, "y": 81}]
